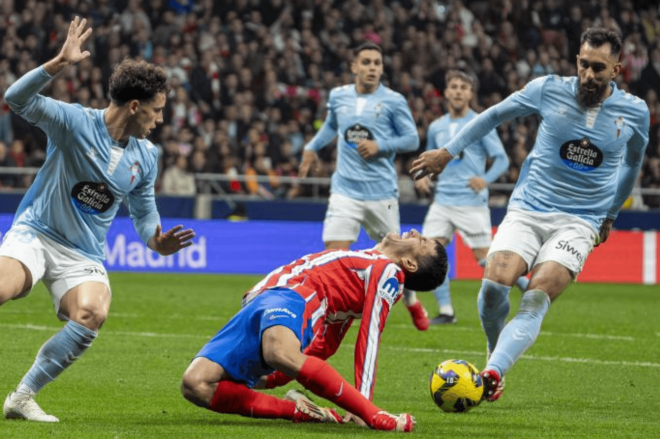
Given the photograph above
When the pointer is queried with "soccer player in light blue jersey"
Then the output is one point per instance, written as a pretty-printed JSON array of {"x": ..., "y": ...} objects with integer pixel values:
[
  {"x": 372, "y": 123},
  {"x": 95, "y": 160},
  {"x": 588, "y": 152},
  {"x": 461, "y": 192}
]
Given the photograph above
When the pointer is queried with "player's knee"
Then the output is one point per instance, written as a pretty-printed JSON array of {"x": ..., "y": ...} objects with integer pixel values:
[
  {"x": 504, "y": 268},
  {"x": 91, "y": 316},
  {"x": 193, "y": 388}
]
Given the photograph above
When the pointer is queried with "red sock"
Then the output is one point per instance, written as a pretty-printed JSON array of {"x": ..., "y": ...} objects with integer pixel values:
[
  {"x": 322, "y": 379},
  {"x": 277, "y": 379},
  {"x": 237, "y": 399}
]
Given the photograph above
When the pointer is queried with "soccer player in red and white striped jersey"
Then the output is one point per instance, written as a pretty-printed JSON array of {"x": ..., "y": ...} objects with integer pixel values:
[{"x": 297, "y": 316}]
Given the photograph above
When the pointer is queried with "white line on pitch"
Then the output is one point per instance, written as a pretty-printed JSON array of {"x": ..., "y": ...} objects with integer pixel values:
[
  {"x": 555, "y": 334},
  {"x": 110, "y": 332},
  {"x": 124, "y": 315},
  {"x": 401, "y": 348},
  {"x": 534, "y": 357}
]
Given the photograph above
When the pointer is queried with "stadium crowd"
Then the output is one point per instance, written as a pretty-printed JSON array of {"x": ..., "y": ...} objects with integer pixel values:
[{"x": 250, "y": 78}]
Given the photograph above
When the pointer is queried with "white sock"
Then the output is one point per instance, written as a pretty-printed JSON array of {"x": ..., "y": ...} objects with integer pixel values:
[
  {"x": 25, "y": 390},
  {"x": 447, "y": 309}
]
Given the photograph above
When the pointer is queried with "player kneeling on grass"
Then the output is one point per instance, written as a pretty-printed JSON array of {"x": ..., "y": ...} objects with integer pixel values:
[{"x": 297, "y": 316}]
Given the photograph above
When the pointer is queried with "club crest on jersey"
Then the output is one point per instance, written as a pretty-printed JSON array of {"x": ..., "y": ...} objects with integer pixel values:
[
  {"x": 135, "y": 170},
  {"x": 92, "y": 153},
  {"x": 619, "y": 123},
  {"x": 581, "y": 155},
  {"x": 354, "y": 134},
  {"x": 92, "y": 198},
  {"x": 389, "y": 290}
]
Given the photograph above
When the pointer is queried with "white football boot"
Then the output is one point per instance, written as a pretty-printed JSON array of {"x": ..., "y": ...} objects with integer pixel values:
[
  {"x": 307, "y": 411},
  {"x": 23, "y": 406}
]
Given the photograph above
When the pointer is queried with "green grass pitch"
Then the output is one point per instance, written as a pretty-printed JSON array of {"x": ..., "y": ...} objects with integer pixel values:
[{"x": 594, "y": 371}]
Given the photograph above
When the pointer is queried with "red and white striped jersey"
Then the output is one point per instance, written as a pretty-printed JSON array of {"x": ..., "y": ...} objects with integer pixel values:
[{"x": 340, "y": 286}]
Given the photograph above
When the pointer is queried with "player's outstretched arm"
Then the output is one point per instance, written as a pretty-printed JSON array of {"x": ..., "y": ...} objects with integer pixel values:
[
  {"x": 430, "y": 163},
  {"x": 71, "y": 51},
  {"x": 171, "y": 241}
]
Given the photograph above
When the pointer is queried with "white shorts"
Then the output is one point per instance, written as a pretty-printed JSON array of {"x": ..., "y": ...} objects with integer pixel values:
[
  {"x": 540, "y": 237},
  {"x": 58, "y": 266},
  {"x": 472, "y": 223},
  {"x": 345, "y": 216}
]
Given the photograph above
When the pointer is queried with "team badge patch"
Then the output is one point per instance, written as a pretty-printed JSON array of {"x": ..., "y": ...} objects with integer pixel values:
[
  {"x": 619, "y": 123},
  {"x": 581, "y": 155},
  {"x": 92, "y": 198},
  {"x": 135, "y": 170}
]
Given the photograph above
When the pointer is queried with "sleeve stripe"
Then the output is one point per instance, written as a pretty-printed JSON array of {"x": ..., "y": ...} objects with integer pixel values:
[{"x": 371, "y": 353}]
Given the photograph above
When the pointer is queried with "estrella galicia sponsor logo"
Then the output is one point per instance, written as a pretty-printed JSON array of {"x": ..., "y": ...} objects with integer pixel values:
[
  {"x": 565, "y": 245},
  {"x": 389, "y": 290},
  {"x": 92, "y": 198},
  {"x": 281, "y": 311},
  {"x": 581, "y": 155},
  {"x": 354, "y": 134}
]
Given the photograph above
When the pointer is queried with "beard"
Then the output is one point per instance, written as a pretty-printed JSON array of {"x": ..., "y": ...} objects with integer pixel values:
[{"x": 588, "y": 98}]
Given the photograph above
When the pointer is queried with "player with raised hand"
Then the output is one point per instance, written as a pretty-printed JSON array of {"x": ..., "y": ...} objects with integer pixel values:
[
  {"x": 297, "y": 317},
  {"x": 372, "y": 123},
  {"x": 461, "y": 192},
  {"x": 95, "y": 160},
  {"x": 588, "y": 152}
]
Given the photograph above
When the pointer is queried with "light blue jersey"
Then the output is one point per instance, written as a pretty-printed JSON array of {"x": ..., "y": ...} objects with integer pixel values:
[
  {"x": 382, "y": 116},
  {"x": 452, "y": 187},
  {"x": 584, "y": 161},
  {"x": 86, "y": 175}
]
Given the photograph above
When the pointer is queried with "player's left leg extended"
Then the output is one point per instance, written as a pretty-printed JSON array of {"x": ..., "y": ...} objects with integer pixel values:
[
  {"x": 86, "y": 306},
  {"x": 549, "y": 280},
  {"x": 281, "y": 350}
]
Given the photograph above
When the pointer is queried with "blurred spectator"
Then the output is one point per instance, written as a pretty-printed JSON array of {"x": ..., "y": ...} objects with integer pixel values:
[
  {"x": 239, "y": 64},
  {"x": 6, "y": 161},
  {"x": 177, "y": 180}
]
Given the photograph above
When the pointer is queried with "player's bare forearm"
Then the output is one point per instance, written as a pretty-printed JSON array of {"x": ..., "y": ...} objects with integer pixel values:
[{"x": 55, "y": 65}]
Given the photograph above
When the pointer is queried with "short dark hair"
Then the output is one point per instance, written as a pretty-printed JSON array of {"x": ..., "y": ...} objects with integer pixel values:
[
  {"x": 597, "y": 36},
  {"x": 464, "y": 76},
  {"x": 367, "y": 46},
  {"x": 137, "y": 79},
  {"x": 431, "y": 271}
]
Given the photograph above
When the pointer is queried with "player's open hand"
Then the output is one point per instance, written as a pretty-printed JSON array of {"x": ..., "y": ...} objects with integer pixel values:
[
  {"x": 605, "y": 230},
  {"x": 430, "y": 163},
  {"x": 367, "y": 148},
  {"x": 309, "y": 162},
  {"x": 477, "y": 184},
  {"x": 171, "y": 241},
  {"x": 72, "y": 52}
]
